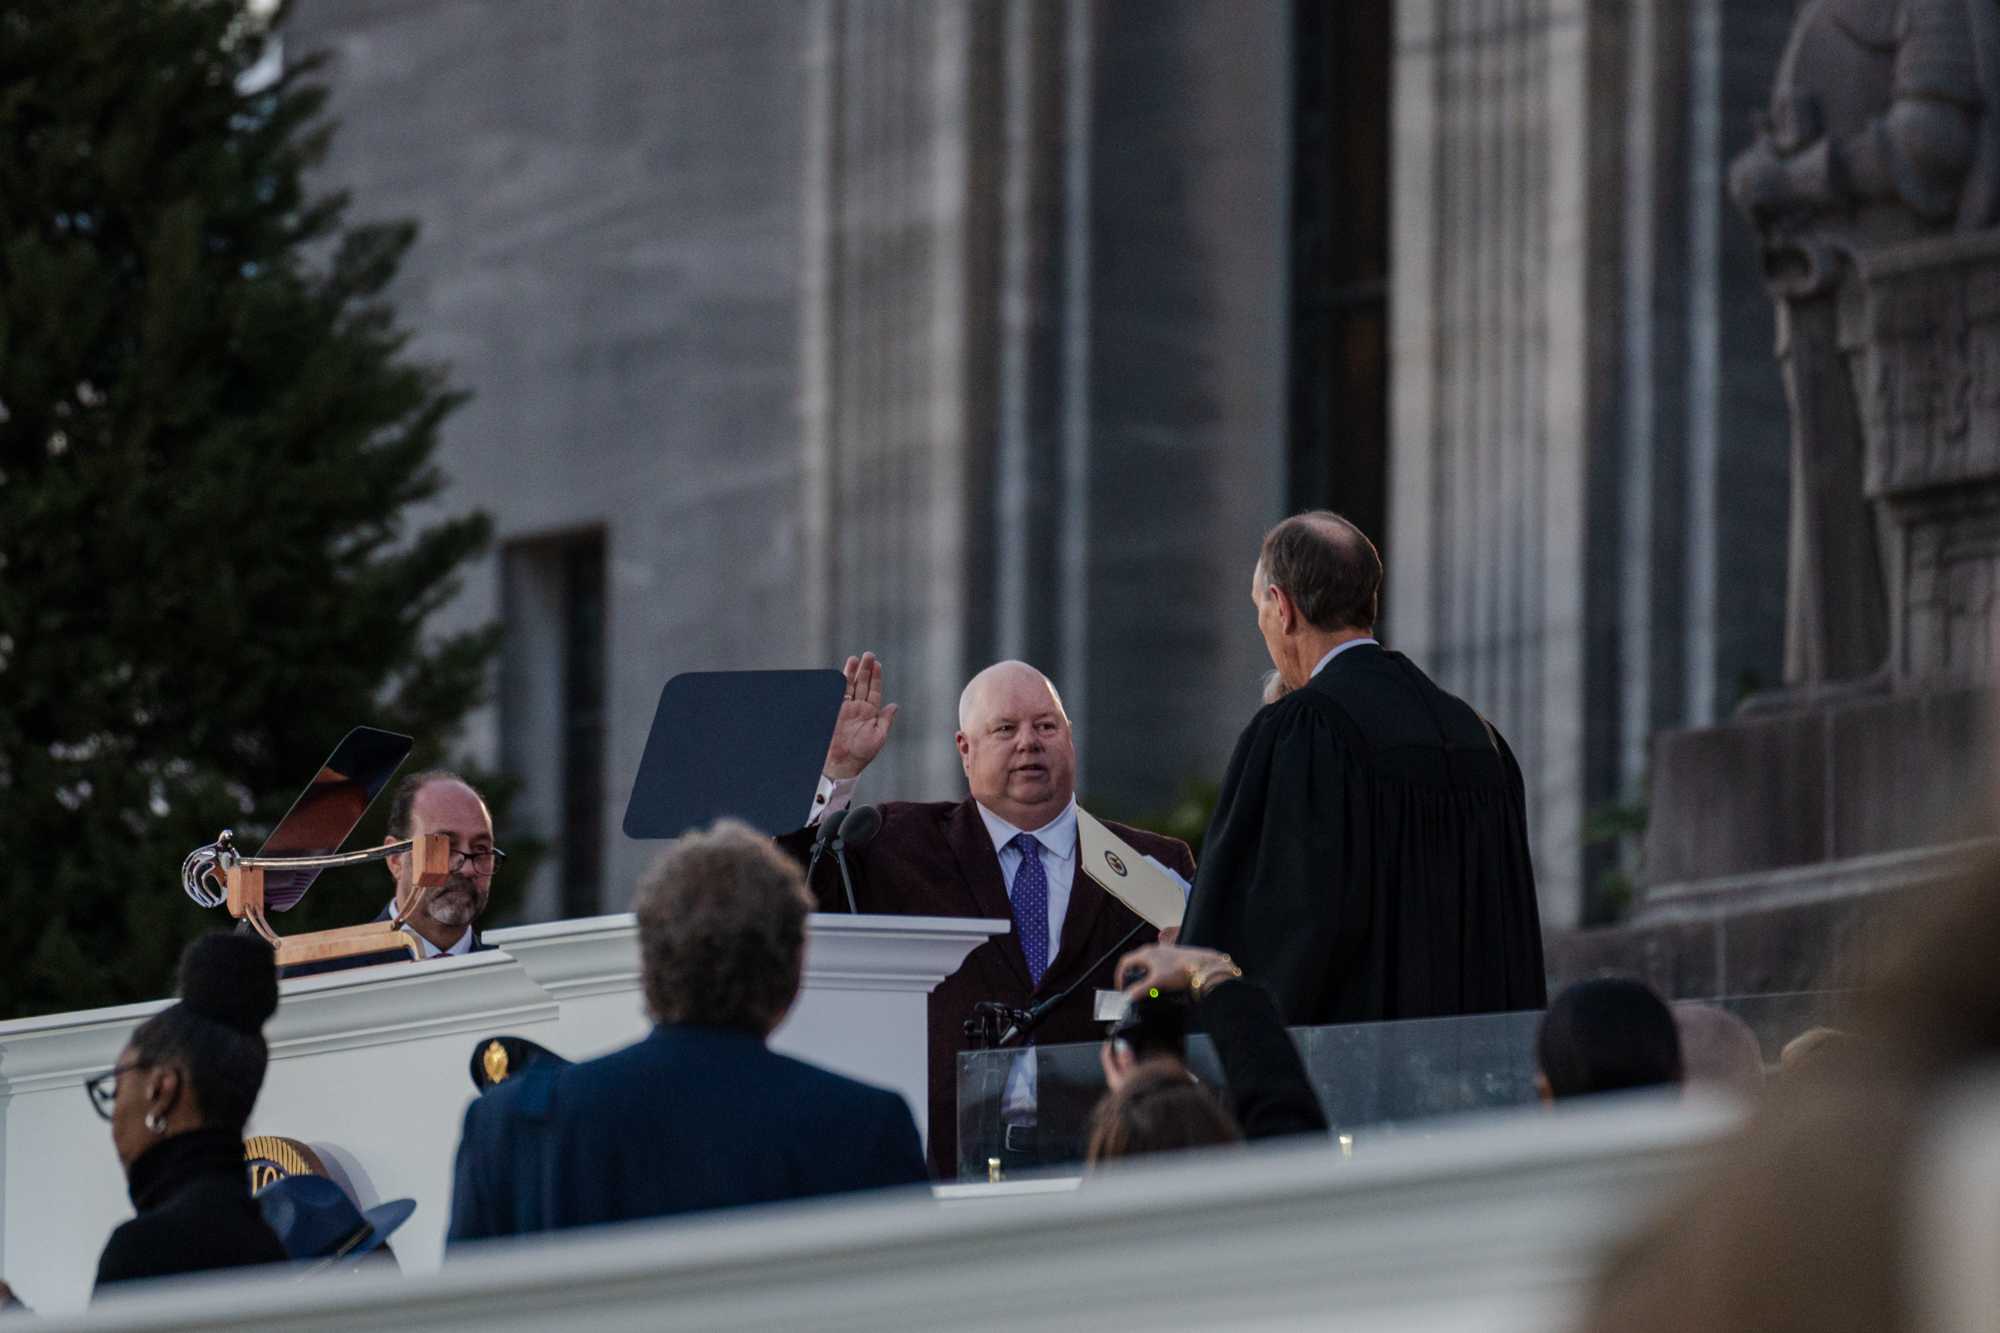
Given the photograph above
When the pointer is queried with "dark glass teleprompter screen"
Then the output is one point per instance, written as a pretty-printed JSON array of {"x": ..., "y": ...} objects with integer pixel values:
[
  {"x": 745, "y": 744},
  {"x": 329, "y": 808}
]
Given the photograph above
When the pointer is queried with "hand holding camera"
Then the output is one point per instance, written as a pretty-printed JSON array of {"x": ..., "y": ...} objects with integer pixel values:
[{"x": 1167, "y": 969}]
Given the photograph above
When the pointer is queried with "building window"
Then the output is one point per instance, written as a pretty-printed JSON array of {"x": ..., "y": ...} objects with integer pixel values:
[
  {"x": 1339, "y": 371},
  {"x": 552, "y": 711}
]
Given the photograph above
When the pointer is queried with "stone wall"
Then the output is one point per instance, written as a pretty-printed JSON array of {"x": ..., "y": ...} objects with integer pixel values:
[
  {"x": 1588, "y": 435},
  {"x": 948, "y": 329}
]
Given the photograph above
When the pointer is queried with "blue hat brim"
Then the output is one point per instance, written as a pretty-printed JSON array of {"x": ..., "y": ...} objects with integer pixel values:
[{"x": 383, "y": 1219}]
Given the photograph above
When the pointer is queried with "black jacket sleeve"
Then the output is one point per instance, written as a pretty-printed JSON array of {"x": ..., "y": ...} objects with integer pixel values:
[
  {"x": 1268, "y": 1087},
  {"x": 124, "y": 1256}
]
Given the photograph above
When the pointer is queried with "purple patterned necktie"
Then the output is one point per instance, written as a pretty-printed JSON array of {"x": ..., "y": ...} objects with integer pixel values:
[{"x": 1030, "y": 897}]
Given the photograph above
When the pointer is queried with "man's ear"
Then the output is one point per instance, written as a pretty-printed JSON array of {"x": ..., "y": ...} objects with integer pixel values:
[
  {"x": 1288, "y": 611},
  {"x": 395, "y": 862},
  {"x": 964, "y": 749}
]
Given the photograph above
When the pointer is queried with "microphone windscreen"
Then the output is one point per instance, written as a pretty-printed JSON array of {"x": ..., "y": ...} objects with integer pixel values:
[
  {"x": 830, "y": 825},
  {"x": 863, "y": 823}
]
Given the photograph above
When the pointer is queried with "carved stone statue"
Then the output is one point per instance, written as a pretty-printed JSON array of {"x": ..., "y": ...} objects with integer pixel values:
[{"x": 1881, "y": 131}]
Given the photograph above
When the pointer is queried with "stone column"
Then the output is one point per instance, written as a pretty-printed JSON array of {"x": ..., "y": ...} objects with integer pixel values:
[
  {"x": 1043, "y": 365},
  {"x": 1491, "y": 400},
  {"x": 895, "y": 296},
  {"x": 1586, "y": 474}
]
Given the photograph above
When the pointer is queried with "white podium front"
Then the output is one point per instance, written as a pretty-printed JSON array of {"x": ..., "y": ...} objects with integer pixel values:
[{"x": 371, "y": 1068}]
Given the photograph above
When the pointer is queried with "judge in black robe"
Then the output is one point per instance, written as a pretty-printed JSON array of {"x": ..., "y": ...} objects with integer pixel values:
[{"x": 1368, "y": 857}]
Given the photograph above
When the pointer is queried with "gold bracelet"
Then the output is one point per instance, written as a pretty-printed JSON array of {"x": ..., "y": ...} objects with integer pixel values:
[{"x": 1197, "y": 979}]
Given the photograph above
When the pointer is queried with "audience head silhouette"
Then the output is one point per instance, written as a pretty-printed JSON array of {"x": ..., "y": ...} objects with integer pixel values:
[
  {"x": 1606, "y": 1035},
  {"x": 198, "y": 1064},
  {"x": 722, "y": 929},
  {"x": 1718, "y": 1050},
  {"x": 1158, "y": 1108}
]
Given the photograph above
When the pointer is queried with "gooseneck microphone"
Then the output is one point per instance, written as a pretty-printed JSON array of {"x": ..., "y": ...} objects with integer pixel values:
[
  {"x": 1027, "y": 1020},
  {"x": 863, "y": 822},
  {"x": 828, "y": 826}
]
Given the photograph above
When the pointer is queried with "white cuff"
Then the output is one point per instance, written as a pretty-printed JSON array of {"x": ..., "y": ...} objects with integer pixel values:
[{"x": 833, "y": 794}]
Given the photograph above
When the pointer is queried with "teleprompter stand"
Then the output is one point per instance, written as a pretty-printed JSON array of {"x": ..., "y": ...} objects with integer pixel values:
[{"x": 379, "y": 941}]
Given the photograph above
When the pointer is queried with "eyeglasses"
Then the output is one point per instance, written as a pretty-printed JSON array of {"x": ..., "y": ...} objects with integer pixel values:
[
  {"x": 482, "y": 863},
  {"x": 103, "y": 1088}
]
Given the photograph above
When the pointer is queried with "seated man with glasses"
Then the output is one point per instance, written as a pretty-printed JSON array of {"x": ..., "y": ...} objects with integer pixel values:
[{"x": 436, "y": 801}]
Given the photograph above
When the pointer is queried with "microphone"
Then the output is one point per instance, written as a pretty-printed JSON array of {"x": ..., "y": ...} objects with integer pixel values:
[
  {"x": 863, "y": 822},
  {"x": 827, "y": 828},
  {"x": 1027, "y": 1020}
]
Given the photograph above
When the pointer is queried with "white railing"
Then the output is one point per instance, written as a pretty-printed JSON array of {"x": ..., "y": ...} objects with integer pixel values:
[
  {"x": 1491, "y": 1223},
  {"x": 370, "y": 1067}
]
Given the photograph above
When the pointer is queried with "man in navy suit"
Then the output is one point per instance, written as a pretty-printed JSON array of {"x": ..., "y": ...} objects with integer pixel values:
[{"x": 700, "y": 1114}]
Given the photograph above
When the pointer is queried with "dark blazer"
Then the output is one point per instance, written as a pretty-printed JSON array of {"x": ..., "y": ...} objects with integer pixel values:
[
  {"x": 937, "y": 859},
  {"x": 690, "y": 1118},
  {"x": 195, "y": 1212}
]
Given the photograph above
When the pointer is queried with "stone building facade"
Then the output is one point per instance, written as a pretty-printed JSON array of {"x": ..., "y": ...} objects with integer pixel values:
[{"x": 962, "y": 329}]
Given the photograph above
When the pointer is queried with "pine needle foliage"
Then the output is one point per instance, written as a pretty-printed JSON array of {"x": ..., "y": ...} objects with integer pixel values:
[{"x": 221, "y": 526}]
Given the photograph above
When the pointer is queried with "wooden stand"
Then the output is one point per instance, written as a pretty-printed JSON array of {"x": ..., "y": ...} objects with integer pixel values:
[{"x": 431, "y": 862}]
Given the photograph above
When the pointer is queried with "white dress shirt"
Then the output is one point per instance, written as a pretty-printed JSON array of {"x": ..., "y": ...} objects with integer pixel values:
[
  {"x": 833, "y": 794},
  {"x": 1351, "y": 643},
  {"x": 1058, "y": 840}
]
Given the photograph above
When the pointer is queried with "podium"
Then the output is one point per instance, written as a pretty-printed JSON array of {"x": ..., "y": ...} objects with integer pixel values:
[{"x": 369, "y": 1068}]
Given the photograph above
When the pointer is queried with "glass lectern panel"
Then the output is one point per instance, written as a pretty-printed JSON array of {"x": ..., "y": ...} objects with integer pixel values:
[{"x": 1025, "y": 1113}]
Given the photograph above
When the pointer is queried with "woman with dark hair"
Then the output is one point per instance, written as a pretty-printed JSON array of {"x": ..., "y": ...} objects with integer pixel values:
[
  {"x": 1609, "y": 1034},
  {"x": 177, "y": 1101},
  {"x": 1157, "y": 1106}
]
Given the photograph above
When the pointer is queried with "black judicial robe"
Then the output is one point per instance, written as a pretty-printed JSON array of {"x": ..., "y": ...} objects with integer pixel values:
[{"x": 1368, "y": 857}]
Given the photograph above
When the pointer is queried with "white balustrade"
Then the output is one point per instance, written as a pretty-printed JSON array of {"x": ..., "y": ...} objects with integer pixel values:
[{"x": 1491, "y": 1223}]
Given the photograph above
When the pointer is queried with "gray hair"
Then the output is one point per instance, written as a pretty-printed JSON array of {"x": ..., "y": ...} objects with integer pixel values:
[{"x": 722, "y": 928}]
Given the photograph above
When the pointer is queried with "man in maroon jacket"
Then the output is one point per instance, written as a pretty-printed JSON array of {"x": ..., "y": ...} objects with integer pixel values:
[{"x": 1009, "y": 851}]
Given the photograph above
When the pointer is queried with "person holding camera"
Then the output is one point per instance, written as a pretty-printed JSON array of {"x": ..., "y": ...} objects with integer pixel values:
[{"x": 1269, "y": 1093}]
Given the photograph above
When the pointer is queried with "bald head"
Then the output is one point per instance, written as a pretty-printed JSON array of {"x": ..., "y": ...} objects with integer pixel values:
[
  {"x": 1014, "y": 741},
  {"x": 1003, "y": 678}
]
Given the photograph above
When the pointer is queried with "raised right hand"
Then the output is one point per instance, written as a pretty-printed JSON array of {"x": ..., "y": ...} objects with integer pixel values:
[{"x": 863, "y": 725}]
